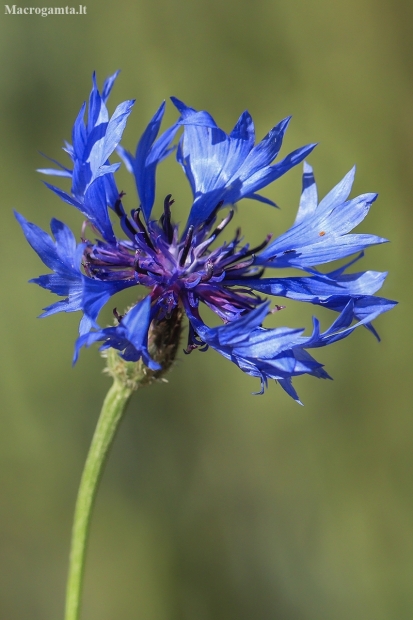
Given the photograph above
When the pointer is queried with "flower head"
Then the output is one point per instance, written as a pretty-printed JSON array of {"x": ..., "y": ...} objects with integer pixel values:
[{"x": 186, "y": 269}]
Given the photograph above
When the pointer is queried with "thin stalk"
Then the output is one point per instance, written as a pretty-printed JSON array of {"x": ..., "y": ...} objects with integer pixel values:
[{"x": 108, "y": 423}]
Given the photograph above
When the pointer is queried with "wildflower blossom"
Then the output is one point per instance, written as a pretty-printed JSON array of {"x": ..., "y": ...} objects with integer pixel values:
[{"x": 186, "y": 269}]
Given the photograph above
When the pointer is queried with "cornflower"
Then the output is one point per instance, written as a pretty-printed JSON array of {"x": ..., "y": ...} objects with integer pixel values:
[{"x": 185, "y": 269}]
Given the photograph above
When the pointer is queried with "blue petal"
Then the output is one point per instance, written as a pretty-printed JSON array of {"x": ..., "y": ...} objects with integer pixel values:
[
  {"x": 277, "y": 353},
  {"x": 65, "y": 196},
  {"x": 144, "y": 182},
  {"x": 86, "y": 339},
  {"x": 304, "y": 257},
  {"x": 321, "y": 286},
  {"x": 95, "y": 209},
  {"x": 235, "y": 331},
  {"x": 225, "y": 168},
  {"x": 244, "y": 132},
  {"x": 93, "y": 206},
  {"x": 108, "y": 85},
  {"x": 309, "y": 197},
  {"x": 71, "y": 304},
  {"x": 96, "y": 293},
  {"x": 79, "y": 135},
  {"x": 57, "y": 164},
  {"x": 192, "y": 117},
  {"x": 267, "y": 344},
  {"x": 111, "y": 191},
  {"x": 98, "y": 112},
  {"x": 56, "y": 173},
  {"x": 287, "y": 386},
  {"x": 149, "y": 153},
  {"x": 341, "y": 328},
  {"x": 259, "y": 198},
  {"x": 265, "y": 176},
  {"x": 103, "y": 147},
  {"x": 40, "y": 241},
  {"x": 136, "y": 324},
  {"x": 93, "y": 143},
  {"x": 57, "y": 283},
  {"x": 63, "y": 257},
  {"x": 319, "y": 234},
  {"x": 339, "y": 193},
  {"x": 333, "y": 290},
  {"x": 265, "y": 151},
  {"x": 66, "y": 245},
  {"x": 130, "y": 336}
]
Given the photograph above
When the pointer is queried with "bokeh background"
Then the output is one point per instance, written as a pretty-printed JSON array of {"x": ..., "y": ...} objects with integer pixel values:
[{"x": 215, "y": 504}]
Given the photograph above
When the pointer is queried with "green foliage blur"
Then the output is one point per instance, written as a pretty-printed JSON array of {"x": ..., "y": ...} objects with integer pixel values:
[{"x": 215, "y": 504}]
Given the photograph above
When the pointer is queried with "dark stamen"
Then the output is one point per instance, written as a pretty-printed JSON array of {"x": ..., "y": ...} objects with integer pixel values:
[
  {"x": 144, "y": 272},
  {"x": 223, "y": 224},
  {"x": 139, "y": 269},
  {"x": 117, "y": 316},
  {"x": 82, "y": 234},
  {"x": 141, "y": 227},
  {"x": 259, "y": 247},
  {"x": 190, "y": 348},
  {"x": 187, "y": 246},
  {"x": 213, "y": 215},
  {"x": 250, "y": 276},
  {"x": 209, "y": 271},
  {"x": 128, "y": 224},
  {"x": 194, "y": 342},
  {"x": 243, "y": 264},
  {"x": 229, "y": 250},
  {"x": 118, "y": 207},
  {"x": 165, "y": 219},
  {"x": 216, "y": 232},
  {"x": 87, "y": 269}
]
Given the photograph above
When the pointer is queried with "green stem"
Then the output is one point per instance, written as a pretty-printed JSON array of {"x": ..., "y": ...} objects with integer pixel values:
[{"x": 110, "y": 416}]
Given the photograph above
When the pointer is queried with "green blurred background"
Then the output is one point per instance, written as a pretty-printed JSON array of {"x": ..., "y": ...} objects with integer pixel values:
[{"x": 215, "y": 504}]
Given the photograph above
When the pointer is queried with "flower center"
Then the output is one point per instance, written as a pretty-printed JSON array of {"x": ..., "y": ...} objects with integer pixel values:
[{"x": 179, "y": 269}]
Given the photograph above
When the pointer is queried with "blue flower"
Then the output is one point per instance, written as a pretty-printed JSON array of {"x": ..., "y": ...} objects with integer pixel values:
[{"x": 187, "y": 270}]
